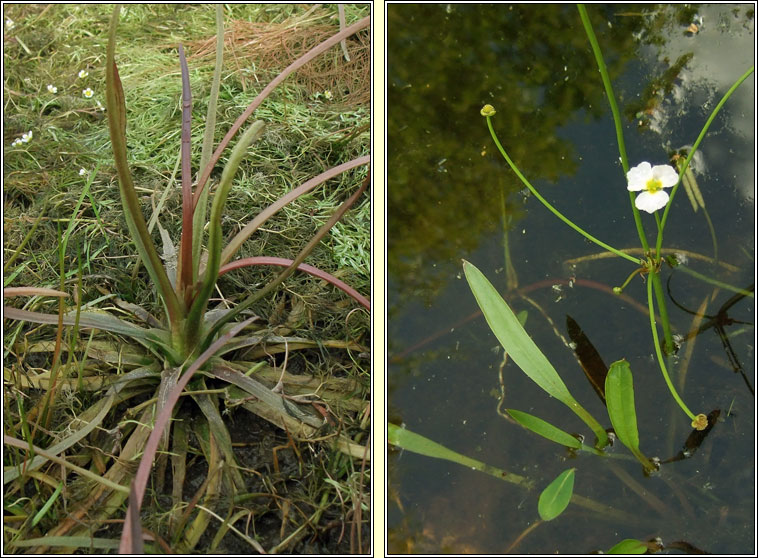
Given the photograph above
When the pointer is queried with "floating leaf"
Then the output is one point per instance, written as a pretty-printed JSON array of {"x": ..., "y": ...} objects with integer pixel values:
[
  {"x": 629, "y": 546},
  {"x": 544, "y": 429},
  {"x": 589, "y": 359},
  {"x": 556, "y": 497},
  {"x": 520, "y": 347},
  {"x": 619, "y": 393}
]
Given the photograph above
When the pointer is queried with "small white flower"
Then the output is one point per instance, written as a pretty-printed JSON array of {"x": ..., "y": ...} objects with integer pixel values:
[
  {"x": 651, "y": 181},
  {"x": 52, "y": 88},
  {"x": 82, "y": 172},
  {"x": 100, "y": 106},
  {"x": 83, "y": 74},
  {"x": 328, "y": 94},
  {"x": 25, "y": 138},
  {"x": 16, "y": 142},
  {"x": 9, "y": 24},
  {"x": 88, "y": 93}
]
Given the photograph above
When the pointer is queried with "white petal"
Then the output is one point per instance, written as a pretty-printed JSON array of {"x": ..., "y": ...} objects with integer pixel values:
[
  {"x": 666, "y": 175},
  {"x": 651, "y": 202},
  {"x": 638, "y": 176}
]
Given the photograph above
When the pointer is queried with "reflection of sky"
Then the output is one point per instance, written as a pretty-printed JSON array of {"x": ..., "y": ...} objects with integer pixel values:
[{"x": 721, "y": 56}]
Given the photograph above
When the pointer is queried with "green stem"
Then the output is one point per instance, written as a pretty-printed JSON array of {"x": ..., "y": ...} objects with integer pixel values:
[
  {"x": 657, "y": 345},
  {"x": 547, "y": 204},
  {"x": 616, "y": 114}
]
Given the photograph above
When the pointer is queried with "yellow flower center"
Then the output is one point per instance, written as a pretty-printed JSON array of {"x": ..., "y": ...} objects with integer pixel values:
[{"x": 654, "y": 185}]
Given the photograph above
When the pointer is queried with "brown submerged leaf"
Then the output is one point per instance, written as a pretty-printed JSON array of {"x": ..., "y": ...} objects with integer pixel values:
[{"x": 589, "y": 359}]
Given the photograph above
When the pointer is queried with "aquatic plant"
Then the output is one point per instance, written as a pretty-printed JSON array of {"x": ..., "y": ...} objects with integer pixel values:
[
  {"x": 614, "y": 384},
  {"x": 192, "y": 343}
]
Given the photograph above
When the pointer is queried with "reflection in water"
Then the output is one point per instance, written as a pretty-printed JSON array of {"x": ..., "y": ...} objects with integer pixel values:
[{"x": 446, "y": 189}]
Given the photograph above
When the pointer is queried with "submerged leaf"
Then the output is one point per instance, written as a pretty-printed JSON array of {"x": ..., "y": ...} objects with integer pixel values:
[
  {"x": 417, "y": 443},
  {"x": 521, "y": 348},
  {"x": 590, "y": 360},
  {"x": 544, "y": 429},
  {"x": 556, "y": 497},
  {"x": 696, "y": 438}
]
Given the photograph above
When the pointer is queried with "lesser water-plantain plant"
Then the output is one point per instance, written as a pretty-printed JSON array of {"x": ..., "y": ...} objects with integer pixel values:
[{"x": 191, "y": 337}]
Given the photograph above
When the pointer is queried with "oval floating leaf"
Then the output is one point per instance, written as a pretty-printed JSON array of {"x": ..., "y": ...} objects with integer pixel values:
[
  {"x": 544, "y": 429},
  {"x": 629, "y": 546},
  {"x": 520, "y": 347},
  {"x": 619, "y": 398},
  {"x": 556, "y": 497}
]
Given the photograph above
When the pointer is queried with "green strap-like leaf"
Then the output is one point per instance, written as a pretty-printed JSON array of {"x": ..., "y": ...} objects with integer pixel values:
[
  {"x": 545, "y": 429},
  {"x": 520, "y": 347},
  {"x": 114, "y": 98},
  {"x": 556, "y": 497},
  {"x": 417, "y": 443}
]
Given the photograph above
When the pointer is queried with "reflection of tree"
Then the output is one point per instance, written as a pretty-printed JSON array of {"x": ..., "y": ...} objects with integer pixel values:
[{"x": 534, "y": 64}]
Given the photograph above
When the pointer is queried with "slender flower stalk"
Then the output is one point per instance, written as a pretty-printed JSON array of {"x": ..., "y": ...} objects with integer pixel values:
[{"x": 487, "y": 111}]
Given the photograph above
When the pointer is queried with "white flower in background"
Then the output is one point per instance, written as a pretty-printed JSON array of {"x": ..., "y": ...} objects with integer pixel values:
[
  {"x": 83, "y": 74},
  {"x": 52, "y": 88},
  {"x": 25, "y": 138},
  {"x": 327, "y": 94},
  {"x": 9, "y": 24},
  {"x": 82, "y": 172},
  {"x": 100, "y": 106},
  {"x": 88, "y": 93},
  {"x": 651, "y": 181}
]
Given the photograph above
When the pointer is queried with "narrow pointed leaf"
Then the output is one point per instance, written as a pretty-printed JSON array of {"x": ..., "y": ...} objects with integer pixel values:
[
  {"x": 417, "y": 443},
  {"x": 114, "y": 98},
  {"x": 544, "y": 429},
  {"x": 594, "y": 368},
  {"x": 696, "y": 437},
  {"x": 520, "y": 347},
  {"x": 556, "y": 497}
]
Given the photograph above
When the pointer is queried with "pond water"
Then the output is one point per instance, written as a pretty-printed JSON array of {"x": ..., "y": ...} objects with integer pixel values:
[{"x": 447, "y": 190}]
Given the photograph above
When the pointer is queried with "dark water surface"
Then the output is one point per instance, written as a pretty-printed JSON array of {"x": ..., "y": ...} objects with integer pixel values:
[{"x": 446, "y": 187}]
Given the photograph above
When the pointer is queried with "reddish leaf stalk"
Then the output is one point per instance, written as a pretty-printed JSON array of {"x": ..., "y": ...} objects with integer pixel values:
[
  {"x": 151, "y": 447},
  {"x": 316, "y": 272},
  {"x": 307, "y": 57}
]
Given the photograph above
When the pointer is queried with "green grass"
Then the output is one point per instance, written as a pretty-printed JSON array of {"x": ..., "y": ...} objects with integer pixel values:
[{"x": 306, "y": 133}]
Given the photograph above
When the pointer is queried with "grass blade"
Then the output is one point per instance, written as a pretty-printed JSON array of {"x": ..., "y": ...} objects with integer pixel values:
[{"x": 304, "y": 59}]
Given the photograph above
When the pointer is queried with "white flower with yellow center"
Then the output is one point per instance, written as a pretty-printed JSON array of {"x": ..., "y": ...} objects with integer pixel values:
[
  {"x": 88, "y": 93},
  {"x": 651, "y": 181}
]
